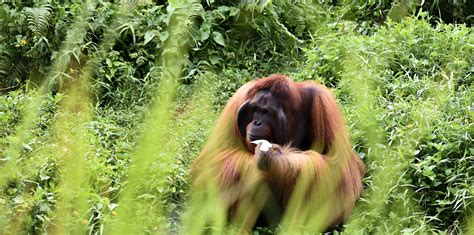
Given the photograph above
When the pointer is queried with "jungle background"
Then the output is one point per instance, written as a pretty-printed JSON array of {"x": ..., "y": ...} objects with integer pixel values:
[{"x": 104, "y": 105}]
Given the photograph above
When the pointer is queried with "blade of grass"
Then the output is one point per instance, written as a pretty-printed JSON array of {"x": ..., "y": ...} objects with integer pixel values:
[
  {"x": 174, "y": 57},
  {"x": 71, "y": 149},
  {"x": 76, "y": 35},
  {"x": 203, "y": 212}
]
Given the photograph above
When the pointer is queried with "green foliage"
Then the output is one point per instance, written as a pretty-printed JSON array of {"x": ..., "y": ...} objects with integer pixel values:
[
  {"x": 405, "y": 89},
  {"x": 30, "y": 35},
  {"x": 39, "y": 19},
  {"x": 125, "y": 70},
  {"x": 451, "y": 11},
  {"x": 39, "y": 176},
  {"x": 423, "y": 88}
]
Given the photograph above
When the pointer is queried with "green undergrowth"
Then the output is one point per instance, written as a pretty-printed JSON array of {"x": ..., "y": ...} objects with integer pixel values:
[{"x": 405, "y": 90}]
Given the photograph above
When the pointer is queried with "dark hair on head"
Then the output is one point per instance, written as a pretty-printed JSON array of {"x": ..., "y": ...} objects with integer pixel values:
[{"x": 280, "y": 86}]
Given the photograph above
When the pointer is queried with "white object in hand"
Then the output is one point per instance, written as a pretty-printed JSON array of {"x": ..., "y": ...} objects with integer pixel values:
[{"x": 264, "y": 144}]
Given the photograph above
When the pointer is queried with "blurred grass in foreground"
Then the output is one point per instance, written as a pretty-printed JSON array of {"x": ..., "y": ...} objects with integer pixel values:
[
  {"x": 156, "y": 139},
  {"x": 70, "y": 145}
]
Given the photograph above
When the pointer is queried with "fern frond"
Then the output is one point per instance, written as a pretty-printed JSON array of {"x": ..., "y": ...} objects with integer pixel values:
[
  {"x": 402, "y": 8},
  {"x": 12, "y": 70},
  {"x": 129, "y": 3},
  {"x": 39, "y": 19}
]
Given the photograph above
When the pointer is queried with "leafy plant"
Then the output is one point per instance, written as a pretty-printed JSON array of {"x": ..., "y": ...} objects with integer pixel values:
[
  {"x": 39, "y": 19},
  {"x": 404, "y": 85}
]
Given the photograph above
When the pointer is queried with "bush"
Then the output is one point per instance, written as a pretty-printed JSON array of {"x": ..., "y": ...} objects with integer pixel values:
[{"x": 423, "y": 78}]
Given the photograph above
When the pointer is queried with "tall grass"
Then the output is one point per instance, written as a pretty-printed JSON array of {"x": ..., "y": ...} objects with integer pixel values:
[
  {"x": 357, "y": 65},
  {"x": 362, "y": 70},
  {"x": 76, "y": 114},
  {"x": 157, "y": 135},
  {"x": 204, "y": 212}
]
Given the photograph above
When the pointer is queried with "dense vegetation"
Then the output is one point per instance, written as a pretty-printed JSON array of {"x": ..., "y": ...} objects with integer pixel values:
[{"x": 105, "y": 105}]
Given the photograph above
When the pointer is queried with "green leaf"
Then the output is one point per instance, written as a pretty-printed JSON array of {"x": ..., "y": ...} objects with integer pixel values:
[
  {"x": 215, "y": 60},
  {"x": 234, "y": 11},
  {"x": 18, "y": 199},
  {"x": 218, "y": 38},
  {"x": 164, "y": 35},
  {"x": 149, "y": 35},
  {"x": 205, "y": 31}
]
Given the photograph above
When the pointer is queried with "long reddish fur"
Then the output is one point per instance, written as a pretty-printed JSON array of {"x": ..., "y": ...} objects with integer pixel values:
[{"x": 330, "y": 182}]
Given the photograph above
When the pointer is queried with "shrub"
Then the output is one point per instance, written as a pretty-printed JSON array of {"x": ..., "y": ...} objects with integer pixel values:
[{"x": 422, "y": 78}]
